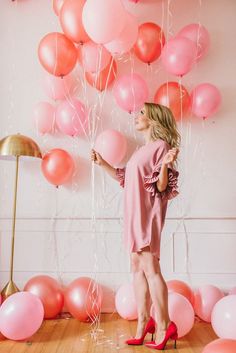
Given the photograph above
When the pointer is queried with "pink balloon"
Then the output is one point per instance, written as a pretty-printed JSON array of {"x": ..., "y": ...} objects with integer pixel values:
[
  {"x": 49, "y": 291},
  {"x": 58, "y": 88},
  {"x": 125, "y": 302},
  {"x": 103, "y": 20},
  {"x": 180, "y": 311},
  {"x": 57, "y": 166},
  {"x": 71, "y": 117},
  {"x": 130, "y": 92},
  {"x": 179, "y": 55},
  {"x": 205, "y": 100},
  {"x": 95, "y": 57},
  {"x": 83, "y": 298},
  {"x": 205, "y": 299},
  {"x": 223, "y": 317},
  {"x": 21, "y": 315},
  {"x": 127, "y": 37},
  {"x": 44, "y": 117},
  {"x": 220, "y": 346},
  {"x": 232, "y": 291},
  {"x": 112, "y": 145},
  {"x": 199, "y": 35}
]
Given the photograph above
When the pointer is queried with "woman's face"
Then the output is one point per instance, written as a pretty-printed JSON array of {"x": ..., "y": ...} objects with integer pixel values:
[{"x": 141, "y": 121}]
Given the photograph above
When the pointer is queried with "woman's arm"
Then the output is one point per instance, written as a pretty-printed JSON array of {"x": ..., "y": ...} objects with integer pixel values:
[
  {"x": 169, "y": 157},
  {"x": 97, "y": 158}
]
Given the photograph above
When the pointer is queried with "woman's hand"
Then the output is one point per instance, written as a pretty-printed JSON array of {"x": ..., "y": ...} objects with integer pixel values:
[
  {"x": 97, "y": 158},
  {"x": 170, "y": 156}
]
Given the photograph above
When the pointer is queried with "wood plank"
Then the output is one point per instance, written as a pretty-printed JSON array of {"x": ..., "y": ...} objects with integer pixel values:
[{"x": 73, "y": 336}]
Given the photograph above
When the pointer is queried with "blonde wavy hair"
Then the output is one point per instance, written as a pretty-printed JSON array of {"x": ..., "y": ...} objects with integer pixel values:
[{"x": 163, "y": 124}]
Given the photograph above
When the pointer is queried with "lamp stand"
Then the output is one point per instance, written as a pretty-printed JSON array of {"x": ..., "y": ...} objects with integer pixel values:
[{"x": 10, "y": 287}]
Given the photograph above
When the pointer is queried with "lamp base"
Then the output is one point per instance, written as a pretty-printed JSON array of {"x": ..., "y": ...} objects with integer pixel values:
[{"x": 9, "y": 289}]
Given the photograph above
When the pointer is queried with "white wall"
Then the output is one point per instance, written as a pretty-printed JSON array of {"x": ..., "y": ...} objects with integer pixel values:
[{"x": 54, "y": 231}]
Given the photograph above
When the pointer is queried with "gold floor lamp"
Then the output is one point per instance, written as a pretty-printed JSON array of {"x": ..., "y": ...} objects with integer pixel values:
[{"x": 12, "y": 148}]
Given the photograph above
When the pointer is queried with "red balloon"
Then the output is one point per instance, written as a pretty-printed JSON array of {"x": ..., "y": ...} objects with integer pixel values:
[
  {"x": 49, "y": 292},
  {"x": 150, "y": 41},
  {"x": 102, "y": 79},
  {"x": 170, "y": 94},
  {"x": 57, "y": 166},
  {"x": 71, "y": 21},
  {"x": 83, "y": 299},
  {"x": 57, "y": 54},
  {"x": 57, "y": 5}
]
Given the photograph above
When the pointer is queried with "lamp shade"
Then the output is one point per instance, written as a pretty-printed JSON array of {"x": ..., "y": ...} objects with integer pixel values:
[{"x": 18, "y": 145}]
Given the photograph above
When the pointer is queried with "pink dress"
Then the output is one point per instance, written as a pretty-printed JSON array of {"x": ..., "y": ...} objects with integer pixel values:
[{"x": 144, "y": 205}]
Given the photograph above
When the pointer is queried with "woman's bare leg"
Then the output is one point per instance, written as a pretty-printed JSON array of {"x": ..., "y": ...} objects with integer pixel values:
[
  {"x": 141, "y": 293},
  {"x": 158, "y": 290}
]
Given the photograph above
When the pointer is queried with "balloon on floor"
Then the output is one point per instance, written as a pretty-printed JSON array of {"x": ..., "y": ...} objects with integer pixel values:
[
  {"x": 220, "y": 346},
  {"x": 83, "y": 298},
  {"x": 204, "y": 300},
  {"x": 125, "y": 302},
  {"x": 21, "y": 315},
  {"x": 223, "y": 317},
  {"x": 49, "y": 292}
]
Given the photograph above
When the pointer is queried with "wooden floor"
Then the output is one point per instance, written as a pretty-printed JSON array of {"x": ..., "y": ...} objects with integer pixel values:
[{"x": 71, "y": 336}]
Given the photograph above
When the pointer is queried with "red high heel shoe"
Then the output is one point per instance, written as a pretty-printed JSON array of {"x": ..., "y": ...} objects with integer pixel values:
[
  {"x": 171, "y": 333},
  {"x": 149, "y": 328}
]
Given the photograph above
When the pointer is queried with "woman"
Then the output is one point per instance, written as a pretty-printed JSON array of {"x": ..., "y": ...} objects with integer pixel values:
[{"x": 149, "y": 180}]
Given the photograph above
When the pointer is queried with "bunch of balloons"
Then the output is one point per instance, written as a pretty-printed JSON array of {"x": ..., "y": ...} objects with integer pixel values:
[
  {"x": 22, "y": 314},
  {"x": 179, "y": 56}
]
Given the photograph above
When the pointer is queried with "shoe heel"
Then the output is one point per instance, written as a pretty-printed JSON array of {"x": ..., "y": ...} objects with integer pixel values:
[
  {"x": 152, "y": 336},
  {"x": 174, "y": 337}
]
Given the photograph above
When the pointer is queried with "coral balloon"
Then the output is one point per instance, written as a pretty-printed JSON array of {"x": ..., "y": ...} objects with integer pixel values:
[
  {"x": 102, "y": 79},
  {"x": 205, "y": 100},
  {"x": 205, "y": 299},
  {"x": 150, "y": 42},
  {"x": 179, "y": 55},
  {"x": 130, "y": 92},
  {"x": 21, "y": 315},
  {"x": 71, "y": 117},
  {"x": 71, "y": 21},
  {"x": 127, "y": 37},
  {"x": 83, "y": 299},
  {"x": 49, "y": 292},
  {"x": 182, "y": 288},
  {"x": 220, "y": 346},
  {"x": 112, "y": 145},
  {"x": 57, "y": 5},
  {"x": 199, "y": 35},
  {"x": 58, "y": 88},
  {"x": 125, "y": 302},
  {"x": 103, "y": 20},
  {"x": 94, "y": 57},
  {"x": 223, "y": 317},
  {"x": 174, "y": 96},
  {"x": 44, "y": 117},
  {"x": 57, "y": 166},
  {"x": 57, "y": 54}
]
